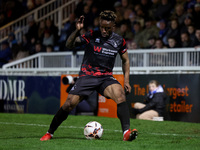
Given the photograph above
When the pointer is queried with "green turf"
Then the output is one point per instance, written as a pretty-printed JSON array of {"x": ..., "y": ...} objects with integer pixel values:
[{"x": 23, "y": 131}]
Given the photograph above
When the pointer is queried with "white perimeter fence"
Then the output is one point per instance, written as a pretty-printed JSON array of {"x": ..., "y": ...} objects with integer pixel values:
[{"x": 156, "y": 61}]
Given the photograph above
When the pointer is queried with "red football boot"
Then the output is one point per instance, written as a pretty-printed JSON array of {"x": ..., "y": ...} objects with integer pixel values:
[
  {"x": 130, "y": 135},
  {"x": 46, "y": 137}
]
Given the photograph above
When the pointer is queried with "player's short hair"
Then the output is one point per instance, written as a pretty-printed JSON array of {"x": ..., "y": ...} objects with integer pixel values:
[{"x": 108, "y": 15}]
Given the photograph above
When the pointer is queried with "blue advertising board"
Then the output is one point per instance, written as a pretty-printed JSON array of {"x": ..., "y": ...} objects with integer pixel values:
[{"x": 30, "y": 94}]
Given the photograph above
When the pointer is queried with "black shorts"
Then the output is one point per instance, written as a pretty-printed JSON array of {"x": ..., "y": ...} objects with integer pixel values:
[{"x": 85, "y": 85}]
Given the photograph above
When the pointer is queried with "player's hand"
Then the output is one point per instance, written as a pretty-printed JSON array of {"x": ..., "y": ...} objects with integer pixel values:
[
  {"x": 127, "y": 87},
  {"x": 79, "y": 23}
]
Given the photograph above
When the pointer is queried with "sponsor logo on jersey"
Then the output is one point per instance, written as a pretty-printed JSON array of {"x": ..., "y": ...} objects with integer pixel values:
[{"x": 97, "y": 48}]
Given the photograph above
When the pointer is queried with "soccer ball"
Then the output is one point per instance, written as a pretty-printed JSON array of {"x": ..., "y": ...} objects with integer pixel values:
[{"x": 93, "y": 130}]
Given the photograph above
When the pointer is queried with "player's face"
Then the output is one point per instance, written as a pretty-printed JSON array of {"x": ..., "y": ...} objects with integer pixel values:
[{"x": 106, "y": 28}]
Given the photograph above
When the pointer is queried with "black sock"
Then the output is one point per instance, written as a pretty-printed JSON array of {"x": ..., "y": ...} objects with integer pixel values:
[
  {"x": 59, "y": 117},
  {"x": 123, "y": 115}
]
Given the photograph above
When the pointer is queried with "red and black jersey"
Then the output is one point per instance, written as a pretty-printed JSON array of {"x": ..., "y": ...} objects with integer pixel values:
[{"x": 100, "y": 53}]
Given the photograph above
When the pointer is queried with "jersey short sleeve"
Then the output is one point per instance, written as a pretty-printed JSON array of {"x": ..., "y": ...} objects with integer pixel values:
[
  {"x": 123, "y": 48},
  {"x": 85, "y": 38}
]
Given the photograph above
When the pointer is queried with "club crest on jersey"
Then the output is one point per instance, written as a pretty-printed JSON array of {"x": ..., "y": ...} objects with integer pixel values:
[
  {"x": 97, "y": 48},
  {"x": 115, "y": 44},
  {"x": 97, "y": 40}
]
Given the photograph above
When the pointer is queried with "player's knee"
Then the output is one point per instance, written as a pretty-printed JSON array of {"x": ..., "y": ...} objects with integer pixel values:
[
  {"x": 68, "y": 105},
  {"x": 121, "y": 98}
]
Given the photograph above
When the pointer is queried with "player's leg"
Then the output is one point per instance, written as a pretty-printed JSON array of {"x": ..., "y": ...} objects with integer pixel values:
[
  {"x": 116, "y": 92},
  {"x": 61, "y": 115}
]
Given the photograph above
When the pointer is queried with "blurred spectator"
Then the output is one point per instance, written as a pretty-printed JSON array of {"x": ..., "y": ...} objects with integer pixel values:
[
  {"x": 185, "y": 40},
  {"x": 196, "y": 42},
  {"x": 196, "y": 14},
  {"x": 48, "y": 38},
  {"x": 187, "y": 21},
  {"x": 125, "y": 31},
  {"x": 41, "y": 30},
  {"x": 159, "y": 44},
  {"x": 88, "y": 20},
  {"x": 89, "y": 3},
  {"x": 153, "y": 8},
  {"x": 179, "y": 14},
  {"x": 172, "y": 43},
  {"x": 145, "y": 6},
  {"x": 32, "y": 46},
  {"x": 96, "y": 24},
  {"x": 137, "y": 33},
  {"x": 32, "y": 29},
  {"x": 3, "y": 19},
  {"x": 151, "y": 41},
  {"x": 79, "y": 8},
  {"x": 94, "y": 13},
  {"x": 174, "y": 30},
  {"x": 37, "y": 3},
  {"x": 5, "y": 53},
  {"x": 189, "y": 8},
  {"x": 21, "y": 52},
  {"x": 49, "y": 48},
  {"x": 162, "y": 25},
  {"x": 25, "y": 44},
  {"x": 50, "y": 26},
  {"x": 43, "y": 1},
  {"x": 163, "y": 11},
  {"x": 140, "y": 15},
  {"x": 38, "y": 47},
  {"x": 132, "y": 45},
  {"x": 30, "y": 5},
  {"x": 68, "y": 28},
  {"x": 180, "y": 2},
  {"x": 149, "y": 30},
  {"x": 12, "y": 40},
  {"x": 191, "y": 32},
  {"x": 118, "y": 12},
  {"x": 125, "y": 5},
  {"x": 126, "y": 16}
]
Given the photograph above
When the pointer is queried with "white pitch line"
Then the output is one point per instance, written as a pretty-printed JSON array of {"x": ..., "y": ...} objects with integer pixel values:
[{"x": 75, "y": 127}]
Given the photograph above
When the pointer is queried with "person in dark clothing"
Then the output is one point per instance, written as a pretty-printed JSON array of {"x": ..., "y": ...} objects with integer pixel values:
[
  {"x": 5, "y": 54},
  {"x": 154, "y": 103},
  {"x": 196, "y": 42},
  {"x": 96, "y": 72}
]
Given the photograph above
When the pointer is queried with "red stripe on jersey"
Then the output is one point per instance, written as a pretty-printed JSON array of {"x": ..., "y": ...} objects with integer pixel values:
[
  {"x": 124, "y": 42},
  {"x": 87, "y": 40},
  {"x": 123, "y": 51}
]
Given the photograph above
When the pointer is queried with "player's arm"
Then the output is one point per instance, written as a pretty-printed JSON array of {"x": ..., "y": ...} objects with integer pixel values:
[
  {"x": 126, "y": 71},
  {"x": 74, "y": 39}
]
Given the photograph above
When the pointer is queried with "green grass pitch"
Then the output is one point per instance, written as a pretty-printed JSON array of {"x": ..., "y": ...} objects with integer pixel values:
[{"x": 23, "y": 132}]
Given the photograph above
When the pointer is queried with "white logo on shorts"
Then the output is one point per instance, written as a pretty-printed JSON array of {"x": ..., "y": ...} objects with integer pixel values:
[
  {"x": 73, "y": 88},
  {"x": 113, "y": 78}
]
